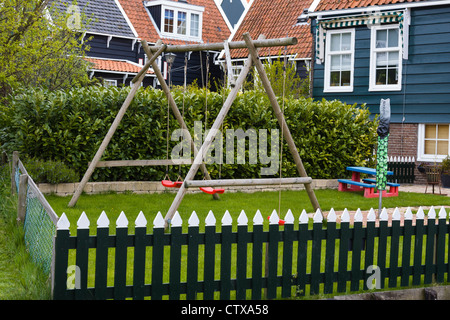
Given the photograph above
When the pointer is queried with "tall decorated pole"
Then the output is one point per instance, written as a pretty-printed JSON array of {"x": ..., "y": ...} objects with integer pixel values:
[{"x": 382, "y": 157}]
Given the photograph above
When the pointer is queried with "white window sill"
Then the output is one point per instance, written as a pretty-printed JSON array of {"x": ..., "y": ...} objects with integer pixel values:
[
  {"x": 337, "y": 90},
  {"x": 385, "y": 88},
  {"x": 431, "y": 158}
]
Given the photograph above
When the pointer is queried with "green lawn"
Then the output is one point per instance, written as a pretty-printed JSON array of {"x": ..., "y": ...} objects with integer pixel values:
[{"x": 131, "y": 204}]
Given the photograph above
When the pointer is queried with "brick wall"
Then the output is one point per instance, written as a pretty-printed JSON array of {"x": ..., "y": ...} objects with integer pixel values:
[{"x": 403, "y": 143}]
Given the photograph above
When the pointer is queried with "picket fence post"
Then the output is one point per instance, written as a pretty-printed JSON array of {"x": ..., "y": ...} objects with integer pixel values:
[
  {"x": 406, "y": 252},
  {"x": 225, "y": 257},
  {"x": 330, "y": 251},
  {"x": 192, "y": 258},
  {"x": 210, "y": 256},
  {"x": 357, "y": 247},
  {"x": 302, "y": 252},
  {"x": 120, "y": 263},
  {"x": 257, "y": 256},
  {"x": 158, "y": 257},
  {"x": 101, "y": 257},
  {"x": 61, "y": 258},
  {"x": 139, "y": 257},
  {"x": 418, "y": 246},
  {"x": 175, "y": 257},
  {"x": 241, "y": 256},
  {"x": 286, "y": 288},
  {"x": 82, "y": 256},
  {"x": 316, "y": 252},
  {"x": 343, "y": 251}
]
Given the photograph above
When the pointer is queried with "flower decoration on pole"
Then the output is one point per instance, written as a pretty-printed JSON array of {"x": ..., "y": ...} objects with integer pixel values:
[{"x": 382, "y": 152}]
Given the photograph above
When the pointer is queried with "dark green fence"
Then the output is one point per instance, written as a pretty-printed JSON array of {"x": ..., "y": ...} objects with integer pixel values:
[
  {"x": 278, "y": 260},
  {"x": 403, "y": 169}
]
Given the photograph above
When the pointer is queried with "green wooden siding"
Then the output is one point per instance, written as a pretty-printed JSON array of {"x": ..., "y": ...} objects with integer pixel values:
[{"x": 425, "y": 93}]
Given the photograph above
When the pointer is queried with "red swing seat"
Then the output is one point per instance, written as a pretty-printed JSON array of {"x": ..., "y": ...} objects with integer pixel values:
[
  {"x": 172, "y": 184},
  {"x": 210, "y": 190}
]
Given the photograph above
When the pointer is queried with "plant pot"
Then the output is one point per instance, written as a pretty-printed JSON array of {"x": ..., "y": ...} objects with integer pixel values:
[{"x": 445, "y": 179}]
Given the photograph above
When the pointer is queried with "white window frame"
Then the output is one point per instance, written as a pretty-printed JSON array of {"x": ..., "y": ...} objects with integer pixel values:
[
  {"x": 327, "y": 87},
  {"x": 421, "y": 156},
  {"x": 109, "y": 83},
  {"x": 374, "y": 50},
  {"x": 189, "y": 10}
]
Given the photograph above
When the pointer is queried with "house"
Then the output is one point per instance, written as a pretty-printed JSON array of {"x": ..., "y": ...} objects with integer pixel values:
[
  {"x": 276, "y": 19},
  {"x": 118, "y": 26},
  {"x": 114, "y": 49},
  {"x": 369, "y": 50}
]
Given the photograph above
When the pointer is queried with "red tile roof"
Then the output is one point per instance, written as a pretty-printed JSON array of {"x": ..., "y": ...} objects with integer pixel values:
[
  {"x": 276, "y": 19},
  {"x": 326, "y": 5},
  {"x": 116, "y": 65},
  {"x": 214, "y": 26}
]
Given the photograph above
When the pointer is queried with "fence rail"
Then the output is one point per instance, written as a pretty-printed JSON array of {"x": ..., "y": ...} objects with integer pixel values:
[
  {"x": 403, "y": 168},
  {"x": 296, "y": 258}
]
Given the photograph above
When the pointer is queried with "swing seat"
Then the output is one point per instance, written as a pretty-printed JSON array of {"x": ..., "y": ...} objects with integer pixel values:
[
  {"x": 210, "y": 190},
  {"x": 172, "y": 184},
  {"x": 280, "y": 222}
]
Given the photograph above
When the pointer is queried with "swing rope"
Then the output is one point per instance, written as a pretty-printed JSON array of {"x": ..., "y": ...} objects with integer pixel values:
[{"x": 282, "y": 127}]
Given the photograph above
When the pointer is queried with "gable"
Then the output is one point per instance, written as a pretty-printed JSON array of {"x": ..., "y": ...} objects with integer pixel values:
[
  {"x": 106, "y": 17},
  {"x": 276, "y": 19},
  {"x": 214, "y": 27}
]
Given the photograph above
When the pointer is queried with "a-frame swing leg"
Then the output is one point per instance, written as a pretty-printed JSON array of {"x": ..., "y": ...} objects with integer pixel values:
[
  {"x": 281, "y": 120},
  {"x": 112, "y": 130},
  {"x": 175, "y": 109},
  {"x": 208, "y": 140}
]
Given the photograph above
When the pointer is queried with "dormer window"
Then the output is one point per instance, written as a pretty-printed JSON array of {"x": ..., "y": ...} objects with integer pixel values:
[{"x": 179, "y": 20}]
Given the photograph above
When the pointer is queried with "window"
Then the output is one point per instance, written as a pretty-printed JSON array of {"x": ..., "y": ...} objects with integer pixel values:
[
  {"x": 339, "y": 61},
  {"x": 433, "y": 142},
  {"x": 195, "y": 25},
  {"x": 385, "y": 59},
  {"x": 168, "y": 20},
  {"x": 181, "y": 24},
  {"x": 177, "y": 20},
  {"x": 109, "y": 83}
]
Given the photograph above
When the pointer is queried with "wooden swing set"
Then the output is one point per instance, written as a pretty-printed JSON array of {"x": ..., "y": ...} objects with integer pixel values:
[{"x": 208, "y": 185}]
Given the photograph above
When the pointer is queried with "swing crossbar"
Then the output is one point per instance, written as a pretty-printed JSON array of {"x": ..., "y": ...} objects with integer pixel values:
[
  {"x": 246, "y": 182},
  {"x": 142, "y": 163}
]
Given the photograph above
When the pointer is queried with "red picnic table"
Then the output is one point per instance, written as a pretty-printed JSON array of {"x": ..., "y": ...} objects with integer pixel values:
[{"x": 367, "y": 185}]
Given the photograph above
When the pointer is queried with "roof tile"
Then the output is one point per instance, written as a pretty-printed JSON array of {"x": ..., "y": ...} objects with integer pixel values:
[
  {"x": 116, "y": 65},
  {"x": 215, "y": 28},
  {"x": 327, "y": 5},
  {"x": 276, "y": 19}
]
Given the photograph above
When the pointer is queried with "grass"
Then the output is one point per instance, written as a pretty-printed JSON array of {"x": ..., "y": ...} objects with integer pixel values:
[
  {"x": 20, "y": 279},
  {"x": 131, "y": 204}
]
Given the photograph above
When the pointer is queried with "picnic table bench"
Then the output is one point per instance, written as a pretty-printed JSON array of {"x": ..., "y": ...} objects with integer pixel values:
[{"x": 366, "y": 185}]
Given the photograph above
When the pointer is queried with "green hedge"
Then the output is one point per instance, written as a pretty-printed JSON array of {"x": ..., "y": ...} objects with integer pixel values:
[{"x": 69, "y": 126}]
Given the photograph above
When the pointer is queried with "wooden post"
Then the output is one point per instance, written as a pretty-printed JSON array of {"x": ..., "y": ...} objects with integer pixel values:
[
  {"x": 22, "y": 202},
  {"x": 198, "y": 160},
  {"x": 175, "y": 110},
  {"x": 110, "y": 133},
  {"x": 259, "y": 43},
  {"x": 279, "y": 114},
  {"x": 14, "y": 165}
]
